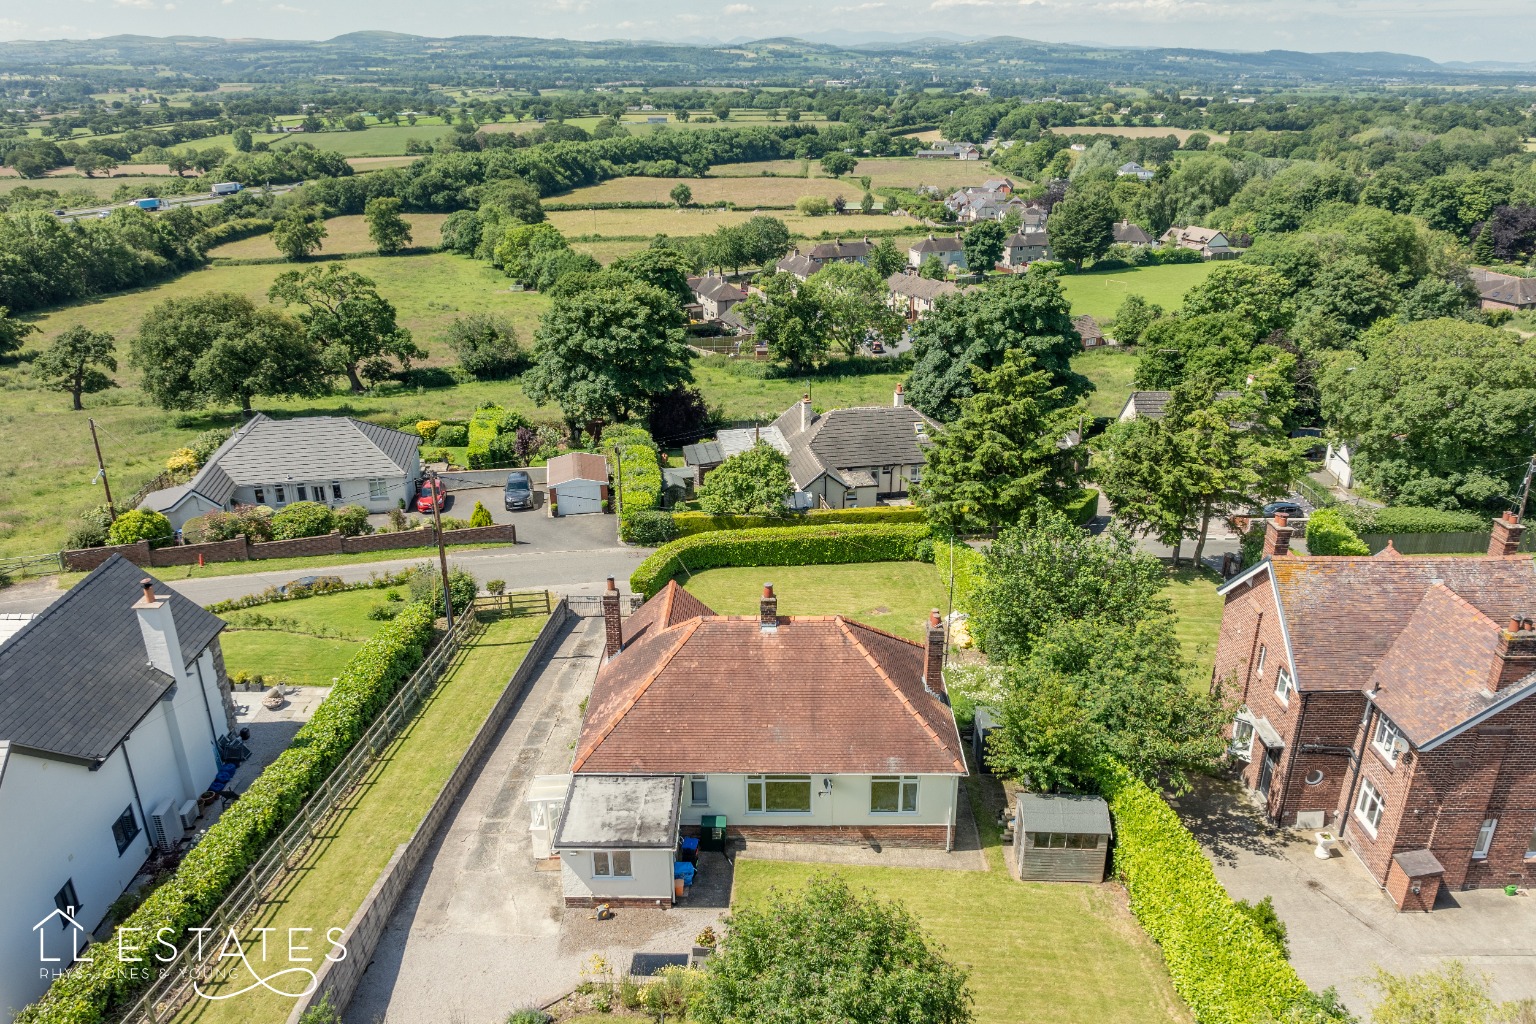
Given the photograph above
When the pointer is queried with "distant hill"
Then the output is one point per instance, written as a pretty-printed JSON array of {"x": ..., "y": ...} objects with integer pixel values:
[{"x": 873, "y": 58}]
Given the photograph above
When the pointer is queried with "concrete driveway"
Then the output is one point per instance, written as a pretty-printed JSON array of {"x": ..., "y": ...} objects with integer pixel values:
[
  {"x": 482, "y": 930},
  {"x": 1341, "y": 925}
]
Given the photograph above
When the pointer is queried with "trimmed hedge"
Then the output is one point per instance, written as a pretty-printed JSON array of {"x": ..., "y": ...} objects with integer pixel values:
[
  {"x": 86, "y": 993},
  {"x": 640, "y": 483},
  {"x": 690, "y": 523},
  {"x": 483, "y": 428},
  {"x": 1329, "y": 534},
  {"x": 1411, "y": 519},
  {"x": 1082, "y": 507},
  {"x": 1222, "y": 964},
  {"x": 820, "y": 545}
]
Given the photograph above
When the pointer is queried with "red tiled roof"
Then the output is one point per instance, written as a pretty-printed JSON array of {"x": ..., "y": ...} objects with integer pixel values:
[
  {"x": 669, "y": 606},
  {"x": 1344, "y": 614},
  {"x": 714, "y": 693},
  {"x": 576, "y": 466}
]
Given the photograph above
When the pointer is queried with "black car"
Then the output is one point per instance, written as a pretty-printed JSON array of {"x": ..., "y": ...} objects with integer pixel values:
[
  {"x": 519, "y": 491},
  {"x": 304, "y": 583},
  {"x": 1289, "y": 509}
]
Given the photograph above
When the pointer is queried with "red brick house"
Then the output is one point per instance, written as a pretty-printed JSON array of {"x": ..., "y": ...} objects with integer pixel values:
[{"x": 1383, "y": 699}]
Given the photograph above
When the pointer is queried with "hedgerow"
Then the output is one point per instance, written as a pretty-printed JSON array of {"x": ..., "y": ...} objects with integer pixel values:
[
  {"x": 1082, "y": 506},
  {"x": 483, "y": 428},
  {"x": 637, "y": 468},
  {"x": 690, "y": 523},
  {"x": 813, "y": 545},
  {"x": 1411, "y": 519},
  {"x": 1329, "y": 534},
  {"x": 85, "y": 994},
  {"x": 1221, "y": 963}
]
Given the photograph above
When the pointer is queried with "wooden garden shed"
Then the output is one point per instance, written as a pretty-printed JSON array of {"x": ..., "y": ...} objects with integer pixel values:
[{"x": 1059, "y": 838}]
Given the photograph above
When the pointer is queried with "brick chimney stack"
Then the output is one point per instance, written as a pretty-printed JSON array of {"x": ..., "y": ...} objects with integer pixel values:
[
  {"x": 1277, "y": 536},
  {"x": 1516, "y": 654},
  {"x": 933, "y": 661},
  {"x": 613, "y": 629},
  {"x": 768, "y": 610},
  {"x": 1507, "y": 531},
  {"x": 900, "y": 398}
]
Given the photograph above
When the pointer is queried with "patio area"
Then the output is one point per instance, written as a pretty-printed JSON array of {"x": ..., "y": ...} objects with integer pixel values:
[{"x": 1341, "y": 924}]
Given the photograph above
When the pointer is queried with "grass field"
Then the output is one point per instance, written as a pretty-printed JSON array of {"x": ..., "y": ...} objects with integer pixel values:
[
  {"x": 1100, "y": 294},
  {"x": 606, "y": 252},
  {"x": 893, "y": 596},
  {"x": 98, "y": 188},
  {"x": 1113, "y": 372},
  {"x": 1195, "y": 602},
  {"x": 343, "y": 235},
  {"x": 645, "y": 223},
  {"x": 1141, "y": 133},
  {"x": 306, "y": 642},
  {"x": 1036, "y": 951},
  {"x": 337, "y": 871},
  {"x": 741, "y": 191},
  {"x": 885, "y": 171}
]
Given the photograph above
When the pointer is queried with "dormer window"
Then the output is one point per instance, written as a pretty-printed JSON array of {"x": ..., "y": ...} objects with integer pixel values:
[
  {"x": 1284, "y": 687},
  {"x": 1388, "y": 740}
]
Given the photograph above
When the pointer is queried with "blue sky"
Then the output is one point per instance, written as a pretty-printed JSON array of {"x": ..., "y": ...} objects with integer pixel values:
[{"x": 1439, "y": 29}]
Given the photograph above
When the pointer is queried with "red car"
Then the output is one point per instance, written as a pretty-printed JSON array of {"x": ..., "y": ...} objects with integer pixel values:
[{"x": 431, "y": 495}]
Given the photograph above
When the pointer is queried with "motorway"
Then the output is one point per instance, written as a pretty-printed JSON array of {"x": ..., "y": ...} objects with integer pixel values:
[{"x": 200, "y": 199}]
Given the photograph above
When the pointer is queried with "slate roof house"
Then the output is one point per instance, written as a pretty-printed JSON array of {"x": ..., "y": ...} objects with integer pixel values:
[
  {"x": 1024, "y": 247},
  {"x": 111, "y": 704},
  {"x": 335, "y": 460},
  {"x": 914, "y": 297},
  {"x": 842, "y": 458},
  {"x": 1127, "y": 233},
  {"x": 1504, "y": 291},
  {"x": 949, "y": 249},
  {"x": 1208, "y": 242},
  {"x": 1135, "y": 170},
  {"x": 1151, "y": 404},
  {"x": 952, "y": 151},
  {"x": 715, "y": 295},
  {"x": 794, "y": 728},
  {"x": 803, "y": 265},
  {"x": 1387, "y": 700}
]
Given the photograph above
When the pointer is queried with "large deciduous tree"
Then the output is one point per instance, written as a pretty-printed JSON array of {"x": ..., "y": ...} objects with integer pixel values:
[
  {"x": 487, "y": 345},
  {"x": 298, "y": 233},
  {"x": 218, "y": 348},
  {"x": 752, "y": 483},
  {"x": 785, "y": 316},
  {"x": 348, "y": 321},
  {"x": 604, "y": 356},
  {"x": 13, "y": 332},
  {"x": 853, "y": 305},
  {"x": 984, "y": 245},
  {"x": 1082, "y": 225},
  {"x": 388, "y": 230},
  {"x": 80, "y": 361}
]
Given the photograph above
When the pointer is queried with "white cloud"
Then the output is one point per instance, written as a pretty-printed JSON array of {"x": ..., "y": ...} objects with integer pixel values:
[
  {"x": 730, "y": 9},
  {"x": 147, "y": 5},
  {"x": 288, "y": 9}
]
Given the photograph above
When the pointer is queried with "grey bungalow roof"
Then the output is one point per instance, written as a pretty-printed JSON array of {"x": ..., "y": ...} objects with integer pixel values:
[
  {"x": 75, "y": 680},
  {"x": 841, "y": 440},
  {"x": 801, "y": 266}
]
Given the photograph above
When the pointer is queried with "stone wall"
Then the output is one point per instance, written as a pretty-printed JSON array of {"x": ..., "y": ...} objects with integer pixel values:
[{"x": 339, "y": 978}]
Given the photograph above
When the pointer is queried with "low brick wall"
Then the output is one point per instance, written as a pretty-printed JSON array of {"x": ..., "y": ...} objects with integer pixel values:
[
  {"x": 233, "y": 550},
  {"x": 301, "y": 547},
  {"x": 467, "y": 479},
  {"x": 339, "y": 978},
  {"x": 928, "y": 837},
  {"x": 86, "y": 559}
]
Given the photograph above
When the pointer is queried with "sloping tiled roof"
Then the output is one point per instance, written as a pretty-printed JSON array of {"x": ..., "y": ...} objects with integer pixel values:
[
  {"x": 839, "y": 439},
  {"x": 918, "y": 287},
  {"x": 1344, "y": 614},
  {"x": 718, "y": 694},
  {"x": 795, "y": 263},
  {"x": 715, "y": 288},
  {"x": 1028, "y": 240},
  {"x": 1132, "y": 234},
  {"x": 670, "y": 605},
  {"x": 940, "y": 243},
  {"x": 75, "y": 680},
  {"x": 841, "y": 250},
  {"x": 576, "y": 466},
  {"x": 265, "y": 451},
  {"x": 1088, "y": 328},
  {"x": 1505, "y": 288},
  {"x": 1152, "y": 404}
]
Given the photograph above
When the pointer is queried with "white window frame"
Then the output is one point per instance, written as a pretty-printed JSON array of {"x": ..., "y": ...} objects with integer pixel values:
[
  {"x": 1258, "y": 668},
  {"x": 378, "y": 489},
  {"x": 261, "y": 495},
  {"x": 1530, "y": 846},
  {"x": 1369, "y": 807},
  {"x": 279, "y": 494},
  {"x": 1285, "y": 686},
  {"x": 607, "y": 864},
  {"x": 1385, "y": 738},
  {"x": 905, "y": 785},
  {"x": 1485, "y": 834},
  {"x": 760, "y": 783},
  {"x": 336, "y": 490},
  {"x": 697, "y": 783},
  {"x": 1239, "y": 747}
]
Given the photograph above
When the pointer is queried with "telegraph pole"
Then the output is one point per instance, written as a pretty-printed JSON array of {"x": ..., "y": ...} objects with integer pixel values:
[
  {"x": 1525, "y": 486},
  {"x": 442, "y": 552},
  {"x": 101, "y": 471}
]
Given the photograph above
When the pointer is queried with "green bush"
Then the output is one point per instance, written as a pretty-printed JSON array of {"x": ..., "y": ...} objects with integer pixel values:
[
  {"x": 1222, "y": 963},
  {"x": 632, "y": 448},
  {"x": 89, "y": 992},
  {"x": 690, "y": 523},
  {"x": 1252, "y": 545},
  {"x": 1082, "y": 506},
  {"x": 352, "y": 521},
  {"x": 482, "y": 431},
  {"x": 1329, "y": 534},
  {"x": 480, "y": 516},
  {"x": 427, "y": 588},
  {"x": 650, "y": 529},
  {"x": 821, "y": 545},
  {"x": 1410, "y": 519},
  {"x": 303, "y": 519},
  {"x": 140, "y": 524},
  {"x": 451, "y": 435}
]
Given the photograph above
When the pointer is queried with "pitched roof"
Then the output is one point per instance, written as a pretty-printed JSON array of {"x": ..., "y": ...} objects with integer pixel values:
[
  {"x": 1057, "y": 812},
  {"x": 1131, "y": 234},
  {"x": 74, "y": 681},
  {"x": 1028, "y": 240},
  {"x": 1505, "y": 288},
  {"x": 841, "y": 250},
  {"x": 576, "y": 466},
  {"x": 716, "y": 693},
  {"x": 1343, "y": 614},
  {"x": 266, "y": 450},
  {"x": 839, "y": 439},
  {"x": 704, "y": 453},
  {"x": 801, "y": 266},
  {"x": 1152, "y": 404},
  {"x": 715, "y": 288},
  {"x": 1087, "y": 328},
  {"x": 918, "y": 287},
  {"x": 669, "y": 606},
  {"x": 941, "y": 243}
]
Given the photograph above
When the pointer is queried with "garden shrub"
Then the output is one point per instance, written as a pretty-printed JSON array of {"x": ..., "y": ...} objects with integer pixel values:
[
  {"x": 451, "y": 435},
  {"x": 482, "y": 431},
  {"x": 352, "y": 521},
  {"x": 690, "y": 523},
  {"x": 1223, "y": 964},
  {"x": 821, "y": 545},
  {"x": 427, "y": 588},
  {"x": 480, "y": 516},
  {"x": 650, "y": 529},
  {"x": 1410, "y": 519},
  {"x": 428, "y": 429},
  {"x": 1082, "y": 506},
  {"x": 89, "y": 992},
  {"x": 303, "y": 519},
  {"x": 182, "y": 464},
  {"x": 1329, "y": 534},
  {"x": 140, "y": 524},
  {"x": 632, "y": 448}
]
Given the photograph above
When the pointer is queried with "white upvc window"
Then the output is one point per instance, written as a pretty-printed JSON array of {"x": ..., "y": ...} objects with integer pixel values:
[
  {"x": 1258, "y": 667},
  {"x": 1284, "y": 686},
  {"x": 1242, "y": 739},
  {"x": 1386, "y": 738},
  {"x": 378, "y": 489},
  {"x": 614, "y": 864},
  {"x": 1368, "y": 806},
  {"x": 1485, "y": 839},
  {"x": 893, "y": 794},
  {"x": 698, "y": 790},
  {"x": 778, "y": 794}
]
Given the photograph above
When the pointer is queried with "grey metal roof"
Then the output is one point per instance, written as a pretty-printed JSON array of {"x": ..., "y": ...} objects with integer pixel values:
[
  {"x": 705, "y": 453},
  {"x": 266, "y": 451},
  {"x": 1055, "y": 812},
  {"x": 622, "y": 812},
  {"x": 75, "y": 680}
]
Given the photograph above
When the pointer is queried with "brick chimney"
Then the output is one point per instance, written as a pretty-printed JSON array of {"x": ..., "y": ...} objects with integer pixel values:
[
  {"x": 158, "y": 627},
  {"x": 1277, "y": 537},
  {"x": 1516, "y": 654},
  {"x": 613, "y": 629},
  {"x": 768, "y": 610},
  {"x": 1507, "y": 531},
  {"x": 933, "y": 661},
  {"x": 900, "y": 398},
  {"x": 805, "y": 412}
]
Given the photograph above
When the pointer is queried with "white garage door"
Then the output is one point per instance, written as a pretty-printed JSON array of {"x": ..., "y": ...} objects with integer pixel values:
[{"x": 578, "y": 497}]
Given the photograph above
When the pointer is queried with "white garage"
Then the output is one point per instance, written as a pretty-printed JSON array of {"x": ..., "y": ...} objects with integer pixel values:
[{"x": 578, "y": 484}]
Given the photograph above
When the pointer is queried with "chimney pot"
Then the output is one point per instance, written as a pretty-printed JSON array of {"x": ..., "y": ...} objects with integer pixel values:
[
  {"x": 933, "y": 654},
  {"x": 768, "y": 610},
  {"x": 1515, "y": 624},
  {"x": 613, "y": 621},
  {"x": 149, "y": 589},
  {"x": 1507, "y": 533}
]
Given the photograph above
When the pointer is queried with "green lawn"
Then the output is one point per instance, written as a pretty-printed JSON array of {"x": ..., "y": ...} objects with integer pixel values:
[
  {"x": 337, "y": 871},
  {"x": 1036, "y": 951},
  {"x": 311, "y": 639},
  {"x": 1193, "y": 593},
  {"x": 893, "y": 596},
  {"x": 1113, "y": 372},
  {"x": 1100, "y": 294}
]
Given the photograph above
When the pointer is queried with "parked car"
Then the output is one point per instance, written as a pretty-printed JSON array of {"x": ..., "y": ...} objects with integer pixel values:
[
  {"x": 519, "y": 491},
  {"x": 1286, "y": 508},
  {"x": 431, "y": 496},
  {"x": 306, "y": 582}
]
